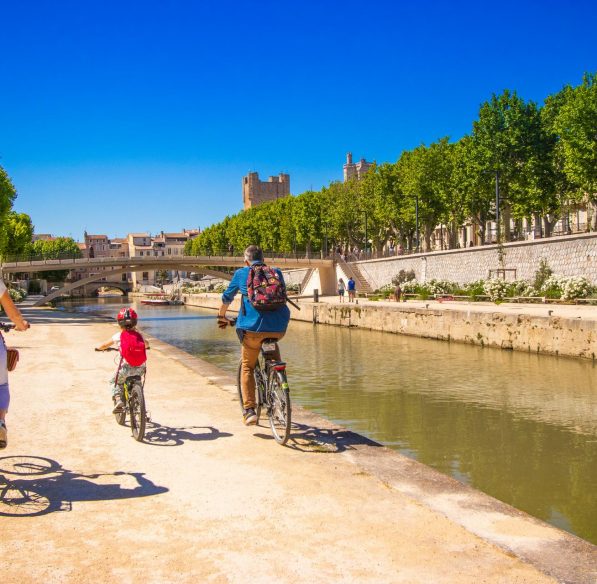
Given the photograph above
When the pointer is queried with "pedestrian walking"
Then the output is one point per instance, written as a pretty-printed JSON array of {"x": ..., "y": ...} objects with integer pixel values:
[
  {"x": 341, "y": 289},
  {"x": 352, "y": 289}
]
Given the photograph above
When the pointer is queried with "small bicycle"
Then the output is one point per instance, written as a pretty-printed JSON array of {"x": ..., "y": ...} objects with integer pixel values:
[
  {"x": 271, "y": 390},
  {"x": 134, "y": 402}
]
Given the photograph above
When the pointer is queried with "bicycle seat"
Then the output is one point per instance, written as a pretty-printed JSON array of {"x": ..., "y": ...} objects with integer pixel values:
[
  {"x": 269, "y": 341},
  {"x": 134, "y": 377}
]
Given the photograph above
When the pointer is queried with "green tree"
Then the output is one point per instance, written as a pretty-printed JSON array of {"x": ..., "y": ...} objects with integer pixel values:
[
  {"x": 18, "y": 231},
  {"x": 505, "y": 139},
  {"x": 576, "y": 126},
  {"x": 57, "y": 248},
  {"x": 7, "y": 196}
]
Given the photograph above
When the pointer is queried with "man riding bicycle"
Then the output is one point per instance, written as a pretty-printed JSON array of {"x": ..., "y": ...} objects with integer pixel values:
[{"x": 253, "y": 325}]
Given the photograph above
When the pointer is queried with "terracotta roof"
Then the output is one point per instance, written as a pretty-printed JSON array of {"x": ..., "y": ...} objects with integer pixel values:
[{"x": 97, "y": 237}]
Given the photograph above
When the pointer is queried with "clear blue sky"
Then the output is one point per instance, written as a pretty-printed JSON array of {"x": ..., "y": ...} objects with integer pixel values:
[{"x": 144, "y": 115}]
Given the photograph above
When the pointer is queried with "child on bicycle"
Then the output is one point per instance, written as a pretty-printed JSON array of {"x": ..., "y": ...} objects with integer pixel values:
[{"x": 131, "y": 345}]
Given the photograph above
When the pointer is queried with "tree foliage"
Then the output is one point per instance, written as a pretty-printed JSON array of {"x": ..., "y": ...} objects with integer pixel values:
[{"x": 545, "y": 158}]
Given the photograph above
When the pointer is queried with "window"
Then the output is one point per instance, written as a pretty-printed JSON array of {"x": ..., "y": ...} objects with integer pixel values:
[
  {"x": 169, "y": 251},
  {"x": 145, "y": 275},
  {"x": 141, "y": 253},
  {"x": 124, "y": 277}
]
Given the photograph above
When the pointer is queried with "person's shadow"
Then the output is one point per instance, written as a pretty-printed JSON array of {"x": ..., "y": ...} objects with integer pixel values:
[
  {"x": 32, "y": 485},
  {"x": 159, "y": 435}
]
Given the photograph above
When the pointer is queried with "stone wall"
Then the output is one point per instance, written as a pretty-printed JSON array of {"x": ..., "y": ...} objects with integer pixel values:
[
  {"x": 572, "y": 337},
  {"x": 566, "y": 256}
]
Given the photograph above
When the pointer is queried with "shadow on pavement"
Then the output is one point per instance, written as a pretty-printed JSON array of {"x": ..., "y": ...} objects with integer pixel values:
[
  {"x": 32, "y": 486},
  {"x": 159, "y": 435},
  {"x": 305, "y": 438}
]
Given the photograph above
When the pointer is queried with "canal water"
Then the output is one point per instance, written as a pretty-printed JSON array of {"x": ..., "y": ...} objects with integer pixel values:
[{"x": 520, "y": 427}]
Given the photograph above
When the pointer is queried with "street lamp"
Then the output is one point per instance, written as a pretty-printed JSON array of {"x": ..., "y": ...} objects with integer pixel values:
[
  {"x": 416, "y": 220},
  {"x": 365, "y": 234}
]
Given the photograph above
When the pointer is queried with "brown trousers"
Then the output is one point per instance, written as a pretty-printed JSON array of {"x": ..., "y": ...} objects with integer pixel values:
[{"x": 248, "y": 355}]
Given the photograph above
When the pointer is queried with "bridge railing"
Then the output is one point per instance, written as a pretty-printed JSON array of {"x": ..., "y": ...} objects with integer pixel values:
[{"x": 222, "y": 254}]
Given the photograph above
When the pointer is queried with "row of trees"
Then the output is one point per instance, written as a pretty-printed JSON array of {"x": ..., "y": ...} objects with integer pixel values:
[{"x": 544, "y": 157}]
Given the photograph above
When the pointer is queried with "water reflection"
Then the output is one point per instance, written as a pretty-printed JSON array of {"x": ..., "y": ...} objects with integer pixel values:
[{"x": 521, "y": 427}]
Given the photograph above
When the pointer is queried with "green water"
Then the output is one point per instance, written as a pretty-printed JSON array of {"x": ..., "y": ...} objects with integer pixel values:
[{"x": 520, "y": 427}]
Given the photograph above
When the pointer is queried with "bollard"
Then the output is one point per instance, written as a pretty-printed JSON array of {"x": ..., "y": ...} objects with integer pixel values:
[{"x": 315, "y": 295}]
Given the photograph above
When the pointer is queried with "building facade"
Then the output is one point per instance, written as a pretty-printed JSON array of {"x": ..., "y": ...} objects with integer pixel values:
[
  {"x": 355, "y": 170},
  {"x": 256, "y": 191}
]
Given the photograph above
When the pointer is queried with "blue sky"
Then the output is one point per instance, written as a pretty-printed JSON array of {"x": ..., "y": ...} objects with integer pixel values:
[{"x": 141, "y": 116}]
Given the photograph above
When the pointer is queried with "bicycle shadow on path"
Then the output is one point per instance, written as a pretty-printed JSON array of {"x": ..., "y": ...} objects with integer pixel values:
[
  {"x": 320, "y": 440},
  {"x": 32, "y": 486},
  {"x": 158, "y": 435}
]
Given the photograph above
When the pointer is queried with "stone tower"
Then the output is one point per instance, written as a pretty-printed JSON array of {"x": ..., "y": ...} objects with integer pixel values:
[
  {"x": 256, "y": 191},
  {"x": 357, "y": 170}
]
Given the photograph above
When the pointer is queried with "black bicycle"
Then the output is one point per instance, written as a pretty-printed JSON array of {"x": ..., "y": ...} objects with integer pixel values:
[
  {"x": 271, "y": 390},
  {"x": 6, "y": 326},
  {"x": 134, "y": 402}
]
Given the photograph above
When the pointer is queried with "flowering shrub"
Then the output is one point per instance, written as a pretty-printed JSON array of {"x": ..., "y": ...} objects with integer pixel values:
[
  {"x": 17, "y": 294},
  {"x": 476, "y": 288},
  {"x": 439, "y": 287},
  {"x": 496, "y": 289},
  {"x": 410, "y": 287},
  {"x": 575, "y": 287},
  {"x": 521, "y": 288}
]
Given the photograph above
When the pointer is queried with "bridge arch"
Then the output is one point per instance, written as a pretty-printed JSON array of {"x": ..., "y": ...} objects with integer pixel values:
[{"x": 99, "y": 280}]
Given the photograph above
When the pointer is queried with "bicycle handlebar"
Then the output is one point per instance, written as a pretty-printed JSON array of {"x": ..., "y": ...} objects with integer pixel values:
[{"x": 6, "y": 326}]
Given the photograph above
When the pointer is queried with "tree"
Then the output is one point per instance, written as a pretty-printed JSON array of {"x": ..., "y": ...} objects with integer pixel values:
[
  {"x": 7, "y": 196},
  {"x": 18, "y": 231},
  {"x": 58, "y": 248},
  {"x": 576, "y": 126},
  {"x": 504, "y": 141}
]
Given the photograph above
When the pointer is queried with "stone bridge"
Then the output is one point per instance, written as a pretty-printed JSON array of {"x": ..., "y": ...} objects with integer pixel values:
[{"x": 201, "y": 264}]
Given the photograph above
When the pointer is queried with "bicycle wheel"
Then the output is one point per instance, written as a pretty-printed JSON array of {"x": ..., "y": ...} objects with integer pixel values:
[
  {"x": 19, "y": 500},
  {"x": 259, "y": 388},
  {"x": 138, "y": 413},
  {"x": 279, "y": 410}
]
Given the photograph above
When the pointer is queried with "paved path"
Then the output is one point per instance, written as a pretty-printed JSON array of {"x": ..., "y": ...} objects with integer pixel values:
[{"x": 209, "y": 500}]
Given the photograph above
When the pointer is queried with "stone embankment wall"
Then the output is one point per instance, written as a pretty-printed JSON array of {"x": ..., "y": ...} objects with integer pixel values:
[
  {"x": 551, "y": 335},
  {"x": 566, "y": 256}
]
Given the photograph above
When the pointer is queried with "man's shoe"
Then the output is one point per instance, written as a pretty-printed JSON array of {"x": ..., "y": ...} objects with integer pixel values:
[
  {"x": 250, "y": 417},
  {"x": 3, "y": 435},
  {"x": 118, "y": 406}
]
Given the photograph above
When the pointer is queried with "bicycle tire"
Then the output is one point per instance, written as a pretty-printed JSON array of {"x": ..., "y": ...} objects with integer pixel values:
[
  {"x": 120, "y": 417},
  {"x": 260, "y": 387},
  {"x": 279, "y": 410},
  {"x": 258, "y": 384},
  {"x": 19, "y": 500},
  {"x": 137, "y": 412},
  {"x": 28, "y": 465}
]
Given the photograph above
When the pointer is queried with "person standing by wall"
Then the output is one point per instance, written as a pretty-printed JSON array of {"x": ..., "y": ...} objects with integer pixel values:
[
  {"x": 21, "y": 325},
  {"x": 352, "y": 289},
  {"x": 341, "y": 289}
]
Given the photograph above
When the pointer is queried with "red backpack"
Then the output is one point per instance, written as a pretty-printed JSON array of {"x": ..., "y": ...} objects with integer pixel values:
[
  {"x": 132, "y": 348},
  {"x": 265, "y": 288}
]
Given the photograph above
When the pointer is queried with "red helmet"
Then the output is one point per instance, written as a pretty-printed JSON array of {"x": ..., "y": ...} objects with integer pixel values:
[{"x": 127, "y": 317}]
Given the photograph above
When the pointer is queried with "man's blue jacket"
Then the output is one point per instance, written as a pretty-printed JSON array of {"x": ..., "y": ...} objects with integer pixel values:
[{"x": 273, "y": 321}]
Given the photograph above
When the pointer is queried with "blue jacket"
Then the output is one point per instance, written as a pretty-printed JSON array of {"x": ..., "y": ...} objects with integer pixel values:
[{"x": 274, "y": 321}]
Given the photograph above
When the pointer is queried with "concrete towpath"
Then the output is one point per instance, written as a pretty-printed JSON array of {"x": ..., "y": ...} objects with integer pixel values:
[{"x": 206, "y": 499}]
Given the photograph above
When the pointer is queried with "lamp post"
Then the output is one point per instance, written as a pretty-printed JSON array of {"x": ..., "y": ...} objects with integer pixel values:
[
  {"x": 497, "y": 206},
  {"x": 366, "y": 235},
  {"x": 417, "y": 220}
]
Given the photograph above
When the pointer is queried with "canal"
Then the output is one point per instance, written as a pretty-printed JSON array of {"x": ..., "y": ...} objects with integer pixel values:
[{"x": 520, "y": 427}]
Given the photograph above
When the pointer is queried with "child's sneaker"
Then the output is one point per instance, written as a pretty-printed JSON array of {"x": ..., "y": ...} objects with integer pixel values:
[
  {"x": 118, "y": 405},
  {"x": 250, "y": 417},
  {"x": 3, "y": 435}
]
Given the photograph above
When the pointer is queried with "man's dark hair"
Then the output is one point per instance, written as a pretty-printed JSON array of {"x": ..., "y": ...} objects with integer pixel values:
[{"x": 254, "y": 254}]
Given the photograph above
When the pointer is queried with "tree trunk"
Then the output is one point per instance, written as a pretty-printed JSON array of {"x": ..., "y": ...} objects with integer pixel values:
[{"x": 506, "y": 221}]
